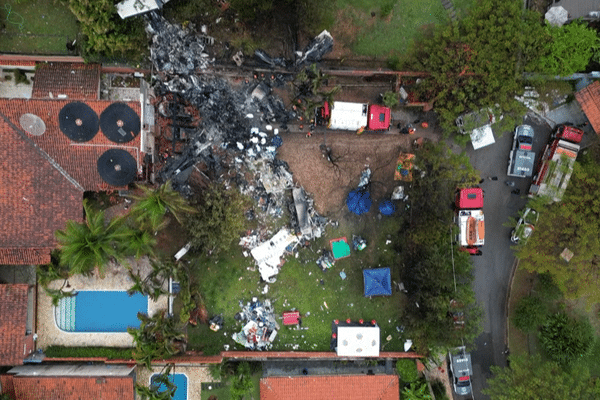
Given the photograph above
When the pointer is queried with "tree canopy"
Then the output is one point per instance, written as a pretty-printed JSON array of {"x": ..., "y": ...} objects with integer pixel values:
[
  {"x": 105, "y": 32},
  {"x": 219, "y": 220},
  {"x": 565, "y": 338},
  {"x": 574, "y": 224},
  {"x": 478, "y": 61},
  {"x": 431, "y": 261},
  {"x": 529, "y": 378},
  {"x": 570, "y": 49}
]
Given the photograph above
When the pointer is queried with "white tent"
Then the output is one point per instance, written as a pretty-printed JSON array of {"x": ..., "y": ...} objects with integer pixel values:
[
  {"x": 482, "y": 137},
  {"x": 358, "y": 341},
  {"x": 557, "y": 16}
]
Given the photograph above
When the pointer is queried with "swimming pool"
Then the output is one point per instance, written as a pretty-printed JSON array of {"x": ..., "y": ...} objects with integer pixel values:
[
  {"x": 180, "y": 381},
  {"x": 100, "y": 311}
]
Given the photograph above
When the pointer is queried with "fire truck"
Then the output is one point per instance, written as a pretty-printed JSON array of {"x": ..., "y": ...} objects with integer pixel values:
[
  {"x": 470, "y": 219},
  {"x": 555, "y": 169},
  {"x": 341, "y": 115}
]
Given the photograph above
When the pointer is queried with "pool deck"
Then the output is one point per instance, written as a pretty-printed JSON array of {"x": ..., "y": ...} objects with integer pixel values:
[
  {"x": 195, "y": 374},
  {"x": 116, "y": 278}
]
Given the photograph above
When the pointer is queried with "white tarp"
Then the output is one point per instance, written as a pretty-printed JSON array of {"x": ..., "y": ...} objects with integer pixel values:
[
  {"x": 482, "y": 137},
  {"x": 129, "y": 8},
  {"x": 268, "y": 254},
  {"x": 358, "y": 341},
  {"x": 557, "y": 16},
  {"x": 349, "y": 116}
]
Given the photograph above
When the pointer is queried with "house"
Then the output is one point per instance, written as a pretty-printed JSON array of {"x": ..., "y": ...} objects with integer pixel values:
[
  {"x": 16, "y": 322},
  {"x": 589, "y": 100},
  {"x": 344, "y": 387},
  {"x": 58, "y": 144},
  {"x": 70, "y": 382}
]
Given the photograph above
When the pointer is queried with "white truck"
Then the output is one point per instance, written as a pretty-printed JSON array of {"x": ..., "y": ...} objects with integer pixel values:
[
  {"x": 522, "y": 158},
  {"x": 347, "y": 116}
]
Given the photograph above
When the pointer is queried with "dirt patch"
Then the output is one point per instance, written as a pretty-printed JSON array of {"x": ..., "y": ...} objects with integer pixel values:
[{"x": 329, "y": 183}]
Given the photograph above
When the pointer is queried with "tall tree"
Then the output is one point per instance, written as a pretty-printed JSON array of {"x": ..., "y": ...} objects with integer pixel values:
[
  {"x": 435, "y": 274},
  {"x": 478, "y": 60},
  {"x": 570, "y": 49},
  {"x": 219, "y": 221},
  {"x": 529, "y": 378},
  {"x": 91, "y": 244},
  {"x": 105, "y": 32},
  {"x": 152, "y": 206},
  {"x": 571, "y": 224},
  {"x": 157, "y": 338},
  {"x": 565, "y": 338}
]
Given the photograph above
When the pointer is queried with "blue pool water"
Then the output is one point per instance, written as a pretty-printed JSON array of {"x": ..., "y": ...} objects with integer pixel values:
[
  {"x": 101, "y": 311},
  {"x": 180, "y": 381}
]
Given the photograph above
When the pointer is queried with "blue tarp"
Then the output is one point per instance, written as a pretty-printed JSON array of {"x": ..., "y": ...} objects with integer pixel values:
[
  {"x": 386, "y": 207},
  {"x": 358, "y": 201},
  {"x": 377, "y": 282}
]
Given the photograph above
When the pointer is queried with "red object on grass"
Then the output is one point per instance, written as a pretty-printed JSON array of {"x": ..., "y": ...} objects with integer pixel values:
[
  {"x": 334, "y": 335},
  {"x": 348, "y": 320},
  {"x": 291, "y": 317},
  {"x": 336, "y": 321},
  {"x": 361, "y": 321},
  {"x": 373, "y": 322}
]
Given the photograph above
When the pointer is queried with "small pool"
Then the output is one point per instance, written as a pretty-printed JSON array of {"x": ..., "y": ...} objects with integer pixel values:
[
  {"x": 180, "y": 381},
  {"x": 100, "y": 311}
]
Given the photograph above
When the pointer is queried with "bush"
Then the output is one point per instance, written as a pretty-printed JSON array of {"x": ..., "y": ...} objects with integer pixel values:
[
  {"x": 407, "y": 369},
  {"x": 439, "y": 390},
  {"x": 112, "y": 353},
  {"x": 530, "y": 313},
  {"x": 546, "y": 288},
  {"x": 564, "y": 338}
]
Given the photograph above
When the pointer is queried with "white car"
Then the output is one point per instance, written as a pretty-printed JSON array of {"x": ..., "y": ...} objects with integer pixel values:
[{"x": 525, "y": 226}]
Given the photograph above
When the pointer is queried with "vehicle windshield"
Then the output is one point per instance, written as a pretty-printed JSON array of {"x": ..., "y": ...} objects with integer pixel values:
[{"x": 526, "y": 139}]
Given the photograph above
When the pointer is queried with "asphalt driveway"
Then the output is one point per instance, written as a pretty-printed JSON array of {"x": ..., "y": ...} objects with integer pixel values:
[{"x": 493, "y": 269}]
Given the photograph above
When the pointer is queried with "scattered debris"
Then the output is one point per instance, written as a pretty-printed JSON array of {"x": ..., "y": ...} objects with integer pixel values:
[
  {"x": 268, "y": 254},
  {"x": 358, "y": 243},
  {"x": 216, "y": 323},
  {"x": 261, "y": 327},
  {"x": 326, "y": 260}
]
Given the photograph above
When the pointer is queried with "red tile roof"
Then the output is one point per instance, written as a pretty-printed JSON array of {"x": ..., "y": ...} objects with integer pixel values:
[
  {"x": 13, "y": 319},
  {"x": 70, "y": 388},
  {"x": 357, "y": 387},
  {"x": 589, "y": 100},
  {"x": 76, "y": 81},
  {"x": 43, "y": 177}
]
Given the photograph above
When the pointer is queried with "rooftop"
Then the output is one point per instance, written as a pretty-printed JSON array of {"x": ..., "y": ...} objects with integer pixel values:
[
  {"x": 357, "y": 387},
  {"x": 13, "y": 320},
  {"x": 589, "y": 99}
]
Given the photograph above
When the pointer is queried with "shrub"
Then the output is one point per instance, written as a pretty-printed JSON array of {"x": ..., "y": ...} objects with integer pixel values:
[
  {"x": 564, "y": 338},
  {"x": 546, "y": 288},
  {"x": 112, "y": 353},
  {"x": 407, "y": 369},
  {"x": 390, "y": 99},
  {"x": 439, "y": 390},
  {"x": 530, "y": 313}
]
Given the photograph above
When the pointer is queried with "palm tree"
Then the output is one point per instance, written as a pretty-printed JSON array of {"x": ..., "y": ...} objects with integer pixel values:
[
  {"x": 158, "y": 337},
  {"x": 153, "y": 204},
  {"x": 161, "y": 387},
  {"x": 139, "y": 243},
  {"x": 91, "y": 244}
]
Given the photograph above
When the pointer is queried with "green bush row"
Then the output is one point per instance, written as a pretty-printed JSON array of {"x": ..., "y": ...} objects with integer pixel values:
[{"x": 112, "y": 353}]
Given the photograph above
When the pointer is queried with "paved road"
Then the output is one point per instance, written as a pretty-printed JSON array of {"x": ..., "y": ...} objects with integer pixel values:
[{"x": 493, "y": 269}]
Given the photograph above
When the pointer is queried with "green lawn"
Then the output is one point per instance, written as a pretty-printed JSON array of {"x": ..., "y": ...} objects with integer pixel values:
[
  {"x": 222, "y": 393},
  {"x": 227, "y": 281},
  {"x": 36, "y": 27},
  {"x": 396, "y": 22}
]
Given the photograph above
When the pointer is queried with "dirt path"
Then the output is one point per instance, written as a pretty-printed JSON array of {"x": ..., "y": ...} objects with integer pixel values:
[{"x": 330, "y": 184}]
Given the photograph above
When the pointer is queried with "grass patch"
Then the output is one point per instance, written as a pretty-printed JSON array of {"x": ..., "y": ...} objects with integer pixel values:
[
  {"x": 36, "y": 27},
  {"x": 394, "y": 26},
  {"x": 112, "y": 353},
  {"x": 521, "y": 287},
  {"x": 324, "y": 296},
  {"x": 222, "y": 391}
]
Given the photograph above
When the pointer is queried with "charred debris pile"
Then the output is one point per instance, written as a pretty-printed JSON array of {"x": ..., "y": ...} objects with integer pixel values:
[{"x": 224, "y": 129}]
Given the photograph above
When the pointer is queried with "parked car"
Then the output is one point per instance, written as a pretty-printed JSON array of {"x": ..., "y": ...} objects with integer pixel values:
[
  {"x": 525, "y": 226},
  {"x": 460, "y": 371}
]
